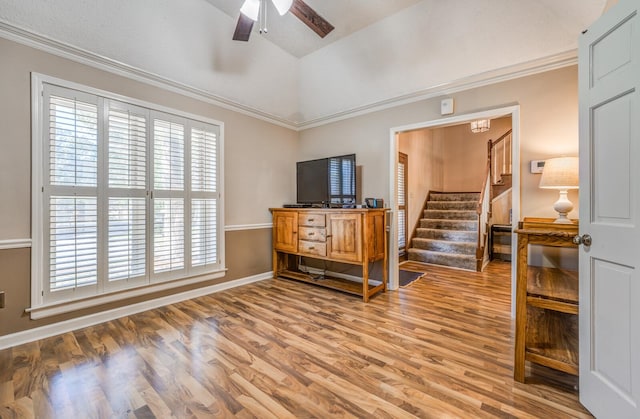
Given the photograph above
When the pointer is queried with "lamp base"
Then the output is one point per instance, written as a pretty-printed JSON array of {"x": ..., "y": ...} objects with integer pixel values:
[
  {"x": 563, "y": 206},
  {"x": 562, "y": 219}
]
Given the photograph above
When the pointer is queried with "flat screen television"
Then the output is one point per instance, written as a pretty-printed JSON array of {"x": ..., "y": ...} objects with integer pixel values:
[{"x": 327, "y": 182}]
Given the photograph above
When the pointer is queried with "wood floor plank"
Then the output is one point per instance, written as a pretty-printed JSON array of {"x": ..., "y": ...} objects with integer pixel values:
[{"x": 279, "y": 348}]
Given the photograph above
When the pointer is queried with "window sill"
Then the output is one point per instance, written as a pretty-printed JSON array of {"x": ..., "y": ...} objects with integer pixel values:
[{"x": 53, "y": 309}]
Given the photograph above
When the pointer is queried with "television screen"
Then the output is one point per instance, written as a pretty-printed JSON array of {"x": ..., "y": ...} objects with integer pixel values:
[{"x": 329, "y": 181}]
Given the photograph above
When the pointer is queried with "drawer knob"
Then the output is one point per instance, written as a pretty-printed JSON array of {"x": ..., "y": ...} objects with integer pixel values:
[{"x": 312, "y": 233}]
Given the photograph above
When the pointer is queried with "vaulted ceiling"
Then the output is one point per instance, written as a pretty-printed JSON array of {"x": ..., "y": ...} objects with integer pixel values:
[{"x": 382, "y": 52}]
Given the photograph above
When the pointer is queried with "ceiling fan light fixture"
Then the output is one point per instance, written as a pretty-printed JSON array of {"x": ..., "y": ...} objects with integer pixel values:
[
  {"x": 282, "y": 6},
  {"x": 251, "y": 8}
]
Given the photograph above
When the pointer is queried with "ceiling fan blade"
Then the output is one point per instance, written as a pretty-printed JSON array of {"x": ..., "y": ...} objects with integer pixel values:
[
  {"x": 243, "y": 28},
  {"x": 309, "y": 17}
]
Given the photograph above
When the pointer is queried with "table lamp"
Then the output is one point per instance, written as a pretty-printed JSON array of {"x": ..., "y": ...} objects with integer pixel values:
[{"x": 561, "y": 173}]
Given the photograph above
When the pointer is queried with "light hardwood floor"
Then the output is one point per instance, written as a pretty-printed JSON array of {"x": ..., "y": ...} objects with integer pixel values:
[{"x": 442, "y": 347}]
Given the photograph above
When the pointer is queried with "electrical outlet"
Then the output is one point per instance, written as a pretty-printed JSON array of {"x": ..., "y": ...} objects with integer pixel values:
[{"x": 1, "y": 299}]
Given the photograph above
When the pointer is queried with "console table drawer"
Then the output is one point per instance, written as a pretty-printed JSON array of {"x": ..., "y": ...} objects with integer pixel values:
[
  {"x": 311, "y": 220},
  {"x": 312, "y": 248},
  {"x": 312, "y": 234}
]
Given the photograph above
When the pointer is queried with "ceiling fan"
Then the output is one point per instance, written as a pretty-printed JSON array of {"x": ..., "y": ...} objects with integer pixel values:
[{"x": 254, "y": 10}]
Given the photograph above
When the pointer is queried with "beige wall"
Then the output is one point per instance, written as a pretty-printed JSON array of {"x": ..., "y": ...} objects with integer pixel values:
[
  {"x": 548, "y": 127},
  {"x": 259, "y": 157},
  {"x": 425, "y": 170},
  {"x": 259, "y": 173},
  {"x": 465, "y": 154}
]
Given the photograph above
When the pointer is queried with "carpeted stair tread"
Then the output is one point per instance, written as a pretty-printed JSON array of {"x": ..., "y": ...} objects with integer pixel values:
[
  {"x": 467, "y": 262},
  {"x": 445, "y": 234},
  {"x": 461, "y": 225},
  {"x": 452, "y": 205},
  {"x": 443, "y": 214},
  {"x": 461, "y": 248},
  {"x": 471, "y": 196}
]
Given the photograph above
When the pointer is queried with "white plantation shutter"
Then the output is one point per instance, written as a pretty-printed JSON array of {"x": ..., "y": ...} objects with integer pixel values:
[
  {"x": 402, "y": 239},
  {"x": 130, "y": 196},
  {"x": 127, "y": 185},
  {"x": 73, "y": 235},
  {"x": 342, "y": 180},
  {"x": 168, "y": 159},
  {"x": 127, "y": 238},
  {"x": 204, "y": 237},
  {"x": 168, "y": 239},
  {"x": 169, "y": 196},
  {"x": 70, "y": 187},
  {"x": 204, "y": 169},
  {"x": 73, "y": 140},
  {"x": 204, "y": 190},
  {"x": 127, "y": 149}
]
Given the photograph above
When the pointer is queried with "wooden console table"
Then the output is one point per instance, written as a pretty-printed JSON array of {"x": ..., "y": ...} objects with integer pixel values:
[
  {"x": 546, "y": 301},
  {"x": 352, "y": 236}
]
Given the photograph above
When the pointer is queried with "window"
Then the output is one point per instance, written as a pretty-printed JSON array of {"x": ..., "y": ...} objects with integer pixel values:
[
  {"x": 127, "y": 196},
  {"x": 342, "y": 179}
]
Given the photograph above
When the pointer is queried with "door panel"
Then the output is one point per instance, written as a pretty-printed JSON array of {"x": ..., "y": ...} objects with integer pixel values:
[
  {"x": 611, "y": 321},
  {"x": 609, "y": 79},
  {"x": 611, "y": 191}
]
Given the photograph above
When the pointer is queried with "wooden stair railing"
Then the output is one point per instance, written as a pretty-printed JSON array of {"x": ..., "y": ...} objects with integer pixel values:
[
  {"x": 483, "y": 210},
  {"x": 499, "y": 156}
]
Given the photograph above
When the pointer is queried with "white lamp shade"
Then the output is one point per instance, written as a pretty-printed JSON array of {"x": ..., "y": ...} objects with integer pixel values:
[
  {"x": 282, "y": 6},
  {"x": 560, "y": 173},
  {"x": 251, "y": 8}
]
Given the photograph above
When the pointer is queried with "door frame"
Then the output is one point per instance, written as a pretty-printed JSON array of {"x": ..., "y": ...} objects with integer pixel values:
[{"x": 514, "y": 112}]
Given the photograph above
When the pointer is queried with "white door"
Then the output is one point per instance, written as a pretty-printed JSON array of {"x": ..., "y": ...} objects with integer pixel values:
[{"x": 609, "y": 74}]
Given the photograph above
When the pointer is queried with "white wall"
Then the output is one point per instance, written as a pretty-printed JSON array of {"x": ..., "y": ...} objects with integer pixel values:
[
  {"x": 188, "y": 41},
  {"x": 423, "y": 47},
  {"x": 434, "y": 43}
]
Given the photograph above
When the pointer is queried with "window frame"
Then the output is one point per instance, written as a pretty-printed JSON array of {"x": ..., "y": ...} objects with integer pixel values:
[{"x": 106, "y": 292}]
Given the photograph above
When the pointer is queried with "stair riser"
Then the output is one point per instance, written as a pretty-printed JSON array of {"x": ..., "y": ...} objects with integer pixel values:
[
  {"x": 451, "y": 235},
  {"x": 450, "y": 215},
  {"x": 468, "y": 263},
  {"x": 449, "y": 225},
  {"x": 452, "y": 205},
  {"x": 444, "y": 246}
]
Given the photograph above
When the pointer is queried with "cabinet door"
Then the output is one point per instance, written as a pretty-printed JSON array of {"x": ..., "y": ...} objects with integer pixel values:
[
  {"x": 345, "y": 237},
  {"x": 375, "y": 232},
  {"x": 285, "y": 231}
]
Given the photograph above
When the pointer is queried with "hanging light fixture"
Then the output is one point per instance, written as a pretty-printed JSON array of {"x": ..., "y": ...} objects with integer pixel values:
[
  {"x": 282, "y": 6},
  {"x": 251, "y": 8},
  {"x": 481, "y": 125}
]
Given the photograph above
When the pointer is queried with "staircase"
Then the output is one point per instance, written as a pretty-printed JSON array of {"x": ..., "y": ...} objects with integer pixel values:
[{"x": 448, "y": 232}]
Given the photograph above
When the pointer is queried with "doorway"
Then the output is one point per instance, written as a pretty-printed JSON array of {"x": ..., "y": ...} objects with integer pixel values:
[{"x": 394, "y": 204}]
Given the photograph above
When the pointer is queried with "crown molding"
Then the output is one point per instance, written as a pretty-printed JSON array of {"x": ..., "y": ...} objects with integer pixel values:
[
  {"x": 64, "y": 50},
  {"x": 541, "y": 65}
]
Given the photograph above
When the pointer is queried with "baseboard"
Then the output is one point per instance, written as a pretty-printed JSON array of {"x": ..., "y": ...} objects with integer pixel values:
[{"x": 42, "y": 332}]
